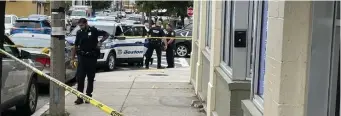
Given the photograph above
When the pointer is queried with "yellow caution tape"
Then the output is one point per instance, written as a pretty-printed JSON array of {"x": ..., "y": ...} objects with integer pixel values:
[
  {"x": 134, "y": 37},
  {"x": 74, "y": 63},
  {"x": 21, "y": 46},
  {"x": 92, "y": 101},
  {"x": 45, "y": 50}
]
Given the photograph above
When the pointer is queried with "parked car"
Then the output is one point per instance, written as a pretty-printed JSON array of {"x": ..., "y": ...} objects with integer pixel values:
[
  {"x": 32, "y": 25},
  {"x": 43, "y": 40},
  {"x": 183, "y": 47},
  {"x": 9, "y": 23},
  {"x": 19, "y": 84},
  {"x": 114, "y": 50},
  {"x": 122, "y": 15},
  {"x": 76, "y": 15}
]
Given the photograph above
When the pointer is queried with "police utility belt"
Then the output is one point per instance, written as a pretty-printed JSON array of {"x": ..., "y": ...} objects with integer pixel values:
[
  {"x": 93, "y": 53},
  {"x": 155, "y": 41}
]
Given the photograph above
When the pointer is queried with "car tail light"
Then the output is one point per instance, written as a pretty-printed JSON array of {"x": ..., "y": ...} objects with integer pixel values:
[
  {"x": 45, "y": 61},
  {"x": 13, "y": 28}
]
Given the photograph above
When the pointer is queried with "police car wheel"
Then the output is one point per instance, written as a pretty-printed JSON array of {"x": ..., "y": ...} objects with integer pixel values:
[
  {"x": 181, "y": 50},
  {"x": 111, "y": 62}
]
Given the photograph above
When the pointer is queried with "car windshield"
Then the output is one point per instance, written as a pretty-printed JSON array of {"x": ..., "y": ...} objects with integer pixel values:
[
  {"x": 108, "y": 29},
  {"x": 134, "y": 18},
  {"x": 78, "y": 13},
  {"x": 31, "y": 42},
  {"x": 27, "y": 24},
  {"x": 7, "y": 20},
  {"x": 37, "y": 16}
]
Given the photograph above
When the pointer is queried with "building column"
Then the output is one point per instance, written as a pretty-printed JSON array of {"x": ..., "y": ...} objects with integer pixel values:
[
  {"x": 194, "y": 42},
  {"x": 287, "y": 49},
  {"x": 215, "y": 54},
  {"x": 201, "y": 47}
]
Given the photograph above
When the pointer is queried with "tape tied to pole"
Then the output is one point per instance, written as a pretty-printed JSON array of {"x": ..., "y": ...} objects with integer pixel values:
[{"x": 92, "y": 101}]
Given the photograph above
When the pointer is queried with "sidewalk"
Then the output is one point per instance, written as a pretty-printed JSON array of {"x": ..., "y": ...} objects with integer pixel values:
[{"x": 165, "y": 92}]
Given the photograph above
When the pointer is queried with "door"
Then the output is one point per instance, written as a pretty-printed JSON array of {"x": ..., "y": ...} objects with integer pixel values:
[
  {"x": 14, "y": 76},
  {"x": 131, "y": 47}
]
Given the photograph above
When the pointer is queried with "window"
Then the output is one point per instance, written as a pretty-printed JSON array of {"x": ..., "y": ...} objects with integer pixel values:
[
  {"x": 78, "y": 13},
  {"x": 133, "y": 31},
  {"x": 208, "y": 24},
  {"x": 262, "y": 50},
  {"x": 12, "y": 50},
  {"x": 46, "y": 24},
  {"x": 8, "y": 20},
  {"x": 27, "y": 24},
  {"x": 259, "y": 38},
  {"x": 227, "y": 30}
]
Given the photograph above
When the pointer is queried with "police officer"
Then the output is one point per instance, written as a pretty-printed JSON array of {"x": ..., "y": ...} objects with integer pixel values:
[
  {"x": 87, "y": 50},
  {"x": 154, "y": 43},
  {"x": 170, "y": 46}
]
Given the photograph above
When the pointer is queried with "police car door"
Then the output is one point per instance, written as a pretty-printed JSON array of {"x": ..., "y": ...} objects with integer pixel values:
[{"x": 132, "y": 46}]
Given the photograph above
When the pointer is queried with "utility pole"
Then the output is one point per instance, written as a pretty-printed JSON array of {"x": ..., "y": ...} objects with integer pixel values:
[
  {"x": 57, "y": 93},
  {"x": 2, "y": 33}
]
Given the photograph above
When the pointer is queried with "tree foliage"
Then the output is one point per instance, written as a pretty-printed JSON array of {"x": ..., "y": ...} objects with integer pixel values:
[
  {"x": 100, "y": 5},
  {"x": 175, "y": 8}
]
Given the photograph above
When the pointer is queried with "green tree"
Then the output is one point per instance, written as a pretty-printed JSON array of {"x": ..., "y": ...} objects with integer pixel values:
[
  {"x": 177, "y": 8},
  {"x": 147, "y": 7},
  {"x": 100, "y": 5}
]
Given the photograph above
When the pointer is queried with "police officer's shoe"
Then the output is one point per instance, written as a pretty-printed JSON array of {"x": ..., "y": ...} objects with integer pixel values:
[
  {"x": 87, "y": 102},
  {"x": 160, "y": 67},
  {"x": 147, "y": 67},
  {"x": 79, "y": 101},
  {"x": 170, "y": 67}
]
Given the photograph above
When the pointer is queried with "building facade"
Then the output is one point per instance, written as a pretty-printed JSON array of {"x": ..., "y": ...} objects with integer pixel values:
[
  {"x": 267, "y": 58},
  {"x": 31, "y": 7}
]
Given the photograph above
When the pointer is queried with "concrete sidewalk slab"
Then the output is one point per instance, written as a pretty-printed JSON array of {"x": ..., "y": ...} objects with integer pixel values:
[
  {"x": 165, "y": 92},
  {"x": 160, "y": 111},
  {"x": 162, "y": 85}
]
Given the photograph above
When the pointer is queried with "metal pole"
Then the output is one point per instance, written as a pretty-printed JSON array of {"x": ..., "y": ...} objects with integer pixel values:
[
  {"x": 2, "y": 33},
  {"x": 57, "y": 94}
]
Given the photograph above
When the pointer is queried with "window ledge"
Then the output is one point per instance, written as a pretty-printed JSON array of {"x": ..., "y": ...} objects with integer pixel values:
[
  {"x": 249, "y": 109},
  {"x": 233, "y": 84}
]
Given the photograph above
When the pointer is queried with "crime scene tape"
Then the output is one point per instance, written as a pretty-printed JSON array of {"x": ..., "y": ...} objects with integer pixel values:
[
  {"x": 134, "y": 37},
  {"x": 92, "y": 101},
  {"x": 21, "y": 46}
]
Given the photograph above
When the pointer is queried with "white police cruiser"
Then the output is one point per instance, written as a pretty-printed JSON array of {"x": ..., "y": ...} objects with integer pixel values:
[{"x": 115, "y": 49}]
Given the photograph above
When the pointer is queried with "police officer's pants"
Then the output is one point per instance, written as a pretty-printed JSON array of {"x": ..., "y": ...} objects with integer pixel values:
[
  {"x": 86, "y": 68},
  {"x": 151, "y": 47},
  {"x": 170, "y": 55}
]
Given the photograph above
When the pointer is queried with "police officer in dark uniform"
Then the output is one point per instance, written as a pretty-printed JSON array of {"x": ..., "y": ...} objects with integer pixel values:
[
  {"x": 170, "y": 46},
  {"x": 87, "y": 50},
  {"x": 154, "y": 43}
]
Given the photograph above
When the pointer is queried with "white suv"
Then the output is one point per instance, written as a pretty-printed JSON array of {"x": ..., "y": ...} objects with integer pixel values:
[{"x": 9, "y": 23}]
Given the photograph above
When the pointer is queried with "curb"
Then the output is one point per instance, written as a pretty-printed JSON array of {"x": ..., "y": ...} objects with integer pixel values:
[{"x": 46, "y": 107}]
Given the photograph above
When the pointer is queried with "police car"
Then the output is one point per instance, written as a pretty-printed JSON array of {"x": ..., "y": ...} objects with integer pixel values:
[{"x": 115, "y": 49}]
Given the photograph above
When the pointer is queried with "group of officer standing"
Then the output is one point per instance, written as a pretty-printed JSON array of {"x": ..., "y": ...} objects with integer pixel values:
[
  {"x": 158, "y": 44},
  {"x": 87, "y": 50}
]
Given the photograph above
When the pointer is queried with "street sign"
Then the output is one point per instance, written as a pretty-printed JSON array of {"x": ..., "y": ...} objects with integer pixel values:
[{"x": 190, "y": 11}]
